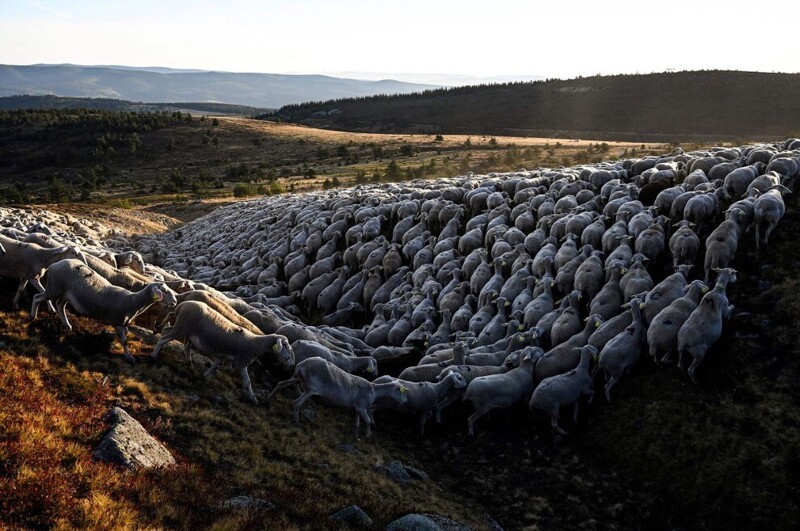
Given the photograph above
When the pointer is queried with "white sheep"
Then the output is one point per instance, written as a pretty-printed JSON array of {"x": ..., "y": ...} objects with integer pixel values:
[
  {"x": 304, "y": 349},
  {"x": 501, "y": 390},
  {"x": 624, "y": 349},
  {"x": 28, "y": 262},
  {"x": 71, "y": 281},
  {"x": 768, "y": 209},
  {"x": 704, "y": 326},
  {"x": 422, "y": 398},
  {"x": 201, "y": 327},
  {"x": 563, "y": 389},
  {"x": 318, "y": 377},
  {"x": 684, "y": 244}
]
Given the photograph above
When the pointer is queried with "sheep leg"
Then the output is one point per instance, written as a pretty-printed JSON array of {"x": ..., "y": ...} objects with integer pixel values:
[
  {"x": 364, "y": 414},
  {"x": 38, "y": 285},
  {"x": 654, "y": 354},
  {"x": 122, "y": 333},
  {"x": 692, "y": 369},
  {"x": 472, "y": 419},
  {"x": 575, "y": 413},
  {"x": 554, "y": 421},
  {"x": 282, "y": 385},
  {"x": 298, "y": 404},
  {"x": 609, "y": 384},
  {"x": 770, "y": 228},
  {"x": 165, "y": 338},
  {"x": 187, "y": 352},
  {"x": 37, "y": 300},
  {"x": 246, "y": 387},
  {"x": 23, "y": 283},
  {"x": 422, "y": 421},
  {"x": 207, "y": 372},
  {"x": 61, "y": 309}
]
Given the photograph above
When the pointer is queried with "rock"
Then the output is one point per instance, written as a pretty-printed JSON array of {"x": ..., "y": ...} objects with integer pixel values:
[
  {"x": 245, "y": 503},
  {"x": 218, "y": 400},
  {"x": 353, "y": 516},
  {"x": 397, "y": 471},
  {"x": 416, "y": 473},
  {"x": 425, "y": 522},
  {"x": 308, "y": 414},
  {"x": 128, "y": 444},
  {"x": 349, "y": 449}
]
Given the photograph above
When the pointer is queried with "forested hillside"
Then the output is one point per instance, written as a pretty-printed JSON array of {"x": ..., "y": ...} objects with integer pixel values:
[{"x": 658, "y": 107}]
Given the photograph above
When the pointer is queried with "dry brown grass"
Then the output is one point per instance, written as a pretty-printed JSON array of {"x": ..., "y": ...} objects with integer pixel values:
[{"x": 52, "y": 399}]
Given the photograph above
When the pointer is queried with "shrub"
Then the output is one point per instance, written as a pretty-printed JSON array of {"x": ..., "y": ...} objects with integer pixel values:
[{"x": 244, "y": 190}]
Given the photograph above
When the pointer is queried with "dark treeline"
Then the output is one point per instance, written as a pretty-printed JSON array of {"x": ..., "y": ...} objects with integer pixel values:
[
  {"x": 11, "y": 103},
  {"x": 664, "y": 106}
]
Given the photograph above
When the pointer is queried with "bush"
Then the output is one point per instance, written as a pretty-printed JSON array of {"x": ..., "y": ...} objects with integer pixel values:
[{"x": 244, "y": 190}]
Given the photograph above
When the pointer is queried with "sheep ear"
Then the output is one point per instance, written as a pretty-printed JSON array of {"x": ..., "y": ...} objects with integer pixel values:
[
  {"x": 158, "y": 295},
  {"x": 129, "y": 259},
  {"x": 275, "y": 347}
]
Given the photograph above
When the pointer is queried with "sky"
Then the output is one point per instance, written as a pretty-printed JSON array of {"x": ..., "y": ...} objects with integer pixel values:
[{"x": 471, "y": 38}]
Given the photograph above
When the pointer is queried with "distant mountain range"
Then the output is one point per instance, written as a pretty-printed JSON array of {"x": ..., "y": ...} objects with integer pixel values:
[
  {"x": 157, "y": 84},
  {"x": 712, "y": 104}
]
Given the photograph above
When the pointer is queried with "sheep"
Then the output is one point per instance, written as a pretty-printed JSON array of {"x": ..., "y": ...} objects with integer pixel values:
[
  {"x": 501, "y": 390},
  {"x": 704, "y": 326},
  {"x": 429, "y": 371},
  {"x": 619, "y": 354},
  {"x": 637, "y": 279},
  {"x": 201, "y": 327},
  {"x": 130, "y": 259},
  {"x": 319, "y": 377},
  {"x": 563, "y": 389},
  {"x": 71, "y": 281},
  {"x": 768, "y": 210},
  {"x": 722, "y": 243},
  {"x": 563, "y": 357},
  {"x": 701, "y": 208},
  {"x": 304, "y": 349},
  {"x": 28, "y": 262},
  {"x": 684, "y": 244},
  {"x": 422, "y": 398},
  {"x": 665, "y": 292},
  {"x": 662, "y": 335},
  {"x": 608, "y": 301}
]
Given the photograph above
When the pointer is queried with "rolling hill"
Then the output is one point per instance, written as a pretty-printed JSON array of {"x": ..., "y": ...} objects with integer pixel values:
[
  {"x": 166, "y": 85},
  {"x": 656, "y": 107}
]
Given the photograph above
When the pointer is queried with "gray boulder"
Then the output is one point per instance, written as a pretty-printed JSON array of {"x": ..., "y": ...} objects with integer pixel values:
[
  {"x": 128, "y": 444},
  {"x": 353, "y": 516},
  {"x": 401, "y": 473},
  {"x": 425, "y": 522}
]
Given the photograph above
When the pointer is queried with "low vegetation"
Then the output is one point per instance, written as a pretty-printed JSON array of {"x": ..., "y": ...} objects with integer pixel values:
[{"x": 141, "y": 159}]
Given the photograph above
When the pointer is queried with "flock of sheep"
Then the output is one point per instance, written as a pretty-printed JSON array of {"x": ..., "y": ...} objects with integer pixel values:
[{"x": 489, "y": 289}]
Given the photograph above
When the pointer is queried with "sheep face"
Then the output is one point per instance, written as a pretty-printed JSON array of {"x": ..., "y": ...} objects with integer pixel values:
[
  {"x": 284, "y": 352},
  {"x": 73, "y": 252},
  {"x": 458, "y": 381},
  {"x": 161, "y": 293}
]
